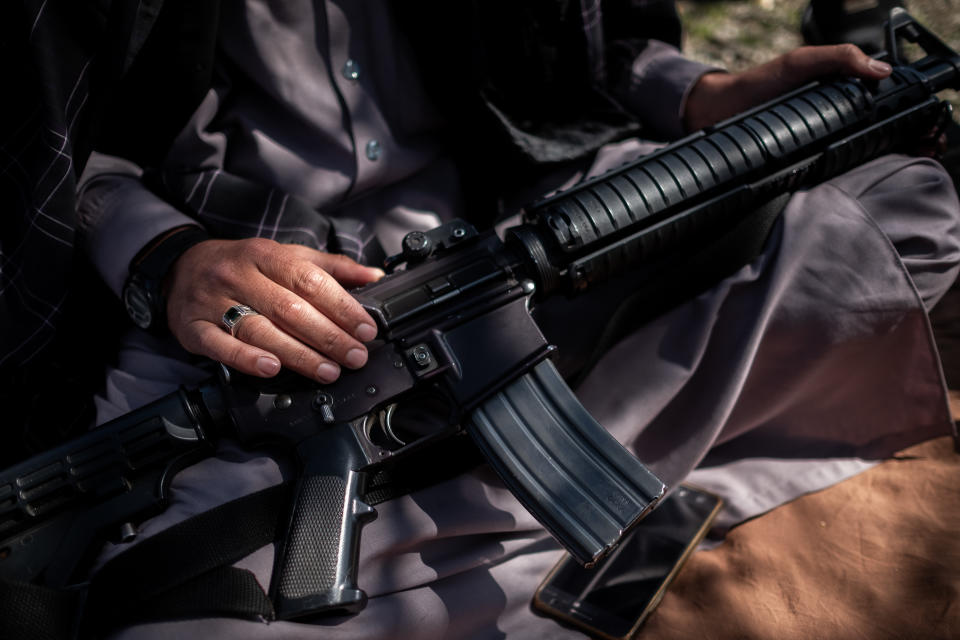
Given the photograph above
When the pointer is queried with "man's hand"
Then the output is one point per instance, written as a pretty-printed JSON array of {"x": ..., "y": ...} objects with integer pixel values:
[
  {"x": 309, "y": 322},
  {"x": 717, "y": 96}
]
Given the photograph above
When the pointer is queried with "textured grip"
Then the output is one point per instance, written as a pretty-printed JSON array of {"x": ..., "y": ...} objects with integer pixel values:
[
  {"x": 317, "y": 564},
  {"x": 565, "y": 468}
]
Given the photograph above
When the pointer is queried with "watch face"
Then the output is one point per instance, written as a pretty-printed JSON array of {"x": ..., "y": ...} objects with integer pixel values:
[{"x": 137, "y": 300}]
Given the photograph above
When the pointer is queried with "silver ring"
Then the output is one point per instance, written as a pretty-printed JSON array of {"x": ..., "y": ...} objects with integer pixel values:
[{"x": 235, "y": 314}]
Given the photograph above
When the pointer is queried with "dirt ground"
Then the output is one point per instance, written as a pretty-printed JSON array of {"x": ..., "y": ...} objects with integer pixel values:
[{"x": 736, "y": 34}]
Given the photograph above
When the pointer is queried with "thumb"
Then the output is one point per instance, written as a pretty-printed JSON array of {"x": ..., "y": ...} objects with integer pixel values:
[{"x": 809, "y": 63}]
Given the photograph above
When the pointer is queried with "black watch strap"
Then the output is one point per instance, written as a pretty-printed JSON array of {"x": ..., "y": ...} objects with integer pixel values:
[{"x": 143, "y": 291}]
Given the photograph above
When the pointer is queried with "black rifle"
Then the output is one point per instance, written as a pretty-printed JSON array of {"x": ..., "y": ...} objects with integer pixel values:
[{"x": 456, "y": 323}]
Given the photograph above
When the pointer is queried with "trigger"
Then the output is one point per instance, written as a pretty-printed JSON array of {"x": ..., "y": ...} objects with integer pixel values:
[{"x": 386, "y": 423}]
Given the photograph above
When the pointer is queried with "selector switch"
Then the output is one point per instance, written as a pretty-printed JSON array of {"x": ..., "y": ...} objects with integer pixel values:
[{"x": 422, "y": 358}]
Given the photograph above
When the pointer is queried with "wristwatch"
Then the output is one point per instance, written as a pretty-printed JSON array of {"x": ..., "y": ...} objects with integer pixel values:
[{"x": 143, "y": 290}]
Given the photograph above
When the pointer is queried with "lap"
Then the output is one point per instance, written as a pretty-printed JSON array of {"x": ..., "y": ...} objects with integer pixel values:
[{"x": 775, "y": 362}]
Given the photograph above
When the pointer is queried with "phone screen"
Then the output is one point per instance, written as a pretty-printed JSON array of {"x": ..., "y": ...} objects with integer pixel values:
[{"x": 612, "y": 599}]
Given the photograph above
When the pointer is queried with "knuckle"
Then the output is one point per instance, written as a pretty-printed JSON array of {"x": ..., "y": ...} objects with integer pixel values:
[
  {"x": 235, "y": 355},
  {"x": 302, "y": 360},
  {"x": 222, "y": 273},
  {"x": 333, "y": 343},
  {"x": 341, "y": 261},
  {"x": 258, "y": 246},
  {"x": 186, "y": 299},
  {"x": 849, "y": 52},
  {"x": 289, "y": 310},
  {"x": 252, "y": 330},
  {"x": 260, "y": 251},
  {"x": 310, "y": 281},
  {"x": 347, "y": 307}
]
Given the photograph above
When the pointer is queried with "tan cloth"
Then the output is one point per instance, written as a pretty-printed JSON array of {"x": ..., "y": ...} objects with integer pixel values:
[{"x": 876, "y": 556}]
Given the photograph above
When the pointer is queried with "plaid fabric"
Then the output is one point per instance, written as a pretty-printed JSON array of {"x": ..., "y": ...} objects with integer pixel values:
[
  {"x": 67, "y": 61},
  {"x": 230, "y": 206},
  {"x": 64, "y": 60},
  {"x": 48, "y": 106}
]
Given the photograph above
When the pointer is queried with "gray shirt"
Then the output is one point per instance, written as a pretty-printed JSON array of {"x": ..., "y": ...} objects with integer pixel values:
[{"x": 323, "y": 101}]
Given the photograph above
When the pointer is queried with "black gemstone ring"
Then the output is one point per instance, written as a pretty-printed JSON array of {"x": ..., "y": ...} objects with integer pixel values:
[{"x": 235, "y": 314}]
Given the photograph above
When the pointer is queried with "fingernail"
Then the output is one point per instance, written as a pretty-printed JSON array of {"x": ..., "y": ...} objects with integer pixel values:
[
  {"x": 268, "y": 366},
  {"x": 328, "y": 372},
  {"x": 365, "y": 332},
  {"x": 880, "y": 67},
  {"x": 379, "y": 272},
  {"x": 356, "y": 358}
]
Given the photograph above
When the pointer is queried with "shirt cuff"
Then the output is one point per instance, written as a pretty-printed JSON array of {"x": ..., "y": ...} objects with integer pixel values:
[
  {"x": 119, "y": 216},
  {"x": 657, "y": 88}
]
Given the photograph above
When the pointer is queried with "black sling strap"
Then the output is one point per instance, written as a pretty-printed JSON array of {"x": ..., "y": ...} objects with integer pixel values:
[
  {"x": 32, "y": 612},
  {"x": 181, "y": 572},
  {"x": 171, "y": 574},
  {"x": 184, "y": 571}
]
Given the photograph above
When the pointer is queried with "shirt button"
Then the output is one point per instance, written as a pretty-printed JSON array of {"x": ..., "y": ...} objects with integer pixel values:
[
  {"x": 351, "y": 70},
  {"x": 373, "y": 150}
]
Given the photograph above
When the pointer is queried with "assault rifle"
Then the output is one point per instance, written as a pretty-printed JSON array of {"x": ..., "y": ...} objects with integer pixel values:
[{"x": 456, "y": 323}]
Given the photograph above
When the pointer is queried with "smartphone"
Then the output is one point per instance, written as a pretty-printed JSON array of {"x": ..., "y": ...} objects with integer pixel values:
[{"x": 613, "y": 599}]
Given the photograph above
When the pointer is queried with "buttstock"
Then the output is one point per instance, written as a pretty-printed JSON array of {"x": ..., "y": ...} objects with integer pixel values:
[
  {"x": 56, "y": 506},
  {"x": 562, "y": 465}
]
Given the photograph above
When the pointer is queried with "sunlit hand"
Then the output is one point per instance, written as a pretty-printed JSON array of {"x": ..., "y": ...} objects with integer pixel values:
[
  {"x": 309, "y": 322},
  {"x": 718, "y": 96}
]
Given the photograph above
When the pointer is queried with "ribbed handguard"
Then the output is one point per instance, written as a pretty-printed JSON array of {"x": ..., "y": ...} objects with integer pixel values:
[
  {"x": 703, "y": 184},
  {"x": 565, "y": 468}
]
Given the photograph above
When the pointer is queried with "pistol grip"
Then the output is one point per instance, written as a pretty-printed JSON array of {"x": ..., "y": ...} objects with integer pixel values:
[
  {"x": 562, "y": 465},
  {"x": 316, "y": 567}
]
